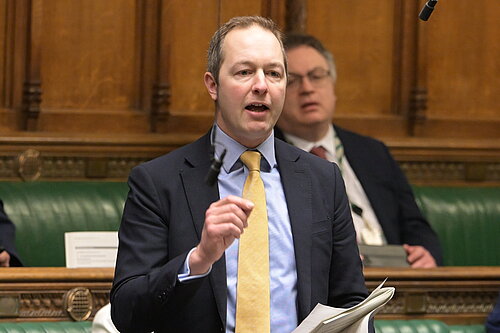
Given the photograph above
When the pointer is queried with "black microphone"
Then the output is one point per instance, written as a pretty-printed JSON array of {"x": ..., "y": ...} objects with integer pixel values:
[
  {"x": 213, "y": 172},
  {"x": 426, "y": 11}
]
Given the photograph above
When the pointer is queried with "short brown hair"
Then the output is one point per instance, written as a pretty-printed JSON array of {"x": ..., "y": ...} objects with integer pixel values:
[{"x": 215, "y": 55}]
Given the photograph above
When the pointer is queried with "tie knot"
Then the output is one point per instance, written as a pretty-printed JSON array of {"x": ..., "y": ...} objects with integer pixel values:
[
  {"x": 251, "y": 159},
  {"x": 319, "y": 151}
]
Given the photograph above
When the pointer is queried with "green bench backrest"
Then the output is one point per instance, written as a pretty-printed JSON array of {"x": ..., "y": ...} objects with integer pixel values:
[
  {"x": 43, "y": 211},
  {"x": 467, "y": 221}
]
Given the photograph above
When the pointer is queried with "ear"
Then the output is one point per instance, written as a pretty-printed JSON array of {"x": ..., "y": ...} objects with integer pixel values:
[{"x": 211, "y": 85}]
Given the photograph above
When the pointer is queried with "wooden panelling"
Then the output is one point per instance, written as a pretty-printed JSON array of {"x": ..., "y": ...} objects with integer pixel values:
[
  {"x": 13, "y": 36},
  {"x": 462, "y": 61},
  {"x": 438, "y": 78},
  {"x": 460, "y": 52},
  {"x": 231, "y": 8},
  {"x": 89, "y": 54},
  {"x": 186, "y": 30},
  {"x": 455, "y": 295},
  {"x": 75, "y": 157},
  {"x": 361, "y": 36},
  {"x": 89, "y": 61},
  {"x": 43, "y": 294},
  {"x": 3, "y": 51},
  {"x": 124, "y": 69}
]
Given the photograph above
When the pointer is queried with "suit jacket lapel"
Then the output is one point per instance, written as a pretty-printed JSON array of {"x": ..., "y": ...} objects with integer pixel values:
[
  {"x": 199, "y": 196},
  {"x": 297, "y": 188}
]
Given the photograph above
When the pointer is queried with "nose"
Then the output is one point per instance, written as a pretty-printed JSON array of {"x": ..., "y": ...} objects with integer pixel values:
[
  {"x": 260, "y": 86},
  {"x": 306, "y": 85}
]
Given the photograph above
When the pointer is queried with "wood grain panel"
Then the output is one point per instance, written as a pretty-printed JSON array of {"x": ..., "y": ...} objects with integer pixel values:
[
  {"x": 231, "y": 8},
  {"x": 361, "y": 36},
  {"x": 3, "y": 51},
  {"x": 455, "y": 295},
  {"x": 188, "y": 30},
  {"x": 463, "y": 66},
  {"x": 88, "y": 54},
  {"x": 13, "y": 20}
]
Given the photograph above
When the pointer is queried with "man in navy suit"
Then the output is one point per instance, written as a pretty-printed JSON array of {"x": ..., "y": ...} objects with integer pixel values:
[
  {"x": 177, "y": 257},
  {"x": 493, "y": 320},
  {"x": 382, "y": 202},
  {"x": 8, "y": 254}
]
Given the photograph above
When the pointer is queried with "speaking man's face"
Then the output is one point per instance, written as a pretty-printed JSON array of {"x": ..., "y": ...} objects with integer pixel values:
[{"x": 252, "y": 84}]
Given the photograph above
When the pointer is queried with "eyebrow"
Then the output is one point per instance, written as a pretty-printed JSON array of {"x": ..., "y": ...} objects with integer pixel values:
[
  {"x": 309, "y": 71},
  {"x": 250, "y": 63}
]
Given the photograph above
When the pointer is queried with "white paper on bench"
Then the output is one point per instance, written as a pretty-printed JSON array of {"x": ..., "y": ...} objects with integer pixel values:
[{"x": 90, "y": 248}]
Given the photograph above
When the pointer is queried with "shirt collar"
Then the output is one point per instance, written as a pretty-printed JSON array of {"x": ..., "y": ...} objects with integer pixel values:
[
  {"x": 327, "y": 142},
  {"x": 234, "y": 150}
]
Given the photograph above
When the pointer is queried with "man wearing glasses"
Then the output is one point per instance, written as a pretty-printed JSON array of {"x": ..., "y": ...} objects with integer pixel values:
[{"x": 382, "y": 203}]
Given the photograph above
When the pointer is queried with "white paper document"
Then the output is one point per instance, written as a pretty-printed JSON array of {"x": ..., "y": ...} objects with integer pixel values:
[
  {"x": 326, "y": 319},
  {"x": 91, "y": 248}
]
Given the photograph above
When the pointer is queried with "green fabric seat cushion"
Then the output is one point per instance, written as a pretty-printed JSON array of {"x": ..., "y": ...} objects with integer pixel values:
[
  {"x": 410, "y": 326},
  {"x": 467, "y": 329},
  {"x": 43, "y": 211},
  {"x": 47, "y": 327}
]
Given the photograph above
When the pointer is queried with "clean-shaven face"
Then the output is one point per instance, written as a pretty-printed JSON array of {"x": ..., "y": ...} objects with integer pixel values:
[{"x": 252, "y": 84}]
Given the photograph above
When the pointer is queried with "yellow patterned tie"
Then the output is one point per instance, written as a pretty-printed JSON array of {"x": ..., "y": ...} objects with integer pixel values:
[{"x": 253, "y": 295}]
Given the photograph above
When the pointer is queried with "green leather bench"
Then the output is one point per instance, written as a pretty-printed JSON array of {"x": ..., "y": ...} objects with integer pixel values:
[
  {"x": 43, "y": 211},
  {"x": 467, "y": 219},
  {"x": 424, "y": 326},
  {"x": 45, "y": 327},
  {"x": 381, "y": 326}
]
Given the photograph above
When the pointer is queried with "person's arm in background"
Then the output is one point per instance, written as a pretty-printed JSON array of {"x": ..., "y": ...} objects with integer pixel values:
[
  {"x": 420, "y": 241},
  {"x": 8, "y": 254}
]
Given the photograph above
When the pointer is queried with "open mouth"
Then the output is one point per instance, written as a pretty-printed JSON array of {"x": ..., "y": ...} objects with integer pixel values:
[{"x": 256, "y": 107}]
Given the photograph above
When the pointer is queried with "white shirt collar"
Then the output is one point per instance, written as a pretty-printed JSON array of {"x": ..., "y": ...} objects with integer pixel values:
[{"x": 327, "y": 142}]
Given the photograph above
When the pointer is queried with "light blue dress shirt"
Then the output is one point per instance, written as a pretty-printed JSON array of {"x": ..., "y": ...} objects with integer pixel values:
[{"x": 283, "y": 272}]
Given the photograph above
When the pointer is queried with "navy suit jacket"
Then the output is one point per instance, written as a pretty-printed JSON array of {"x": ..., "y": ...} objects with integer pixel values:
[
  {"x": 388, "y": 191},
  {"x": 493, "y": 320},
  {"x": 8, "y": 237},
  {"x": 163, "y": 220}
]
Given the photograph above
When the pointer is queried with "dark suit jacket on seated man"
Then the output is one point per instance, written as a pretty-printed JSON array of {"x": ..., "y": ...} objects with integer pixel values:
[
  {"x": 8, "y": 254},
  {"x": 177, "y": 264},
  {"x": 382, "y": 202}
]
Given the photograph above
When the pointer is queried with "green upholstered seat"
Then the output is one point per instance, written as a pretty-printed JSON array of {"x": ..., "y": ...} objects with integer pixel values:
[
  {"x": 43, "y": 211},
  {"x": 410, "y": 326},
  {"x": 467, "y": 329},
  {"x": 47, "y": 327},
  {"x": 467, "y": 221},
  {"x": 424, "y": 326}
]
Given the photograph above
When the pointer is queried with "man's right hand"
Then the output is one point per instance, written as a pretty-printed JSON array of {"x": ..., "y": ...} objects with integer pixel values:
[{"x": 225, "y": 221}]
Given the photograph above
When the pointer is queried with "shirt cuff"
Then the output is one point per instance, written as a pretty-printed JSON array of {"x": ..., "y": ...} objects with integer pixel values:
[{"x": 184, "y": 273}]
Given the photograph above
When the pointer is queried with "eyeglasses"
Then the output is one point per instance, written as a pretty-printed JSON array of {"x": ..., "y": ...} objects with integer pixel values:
[{"x": 316, "y": 77}]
